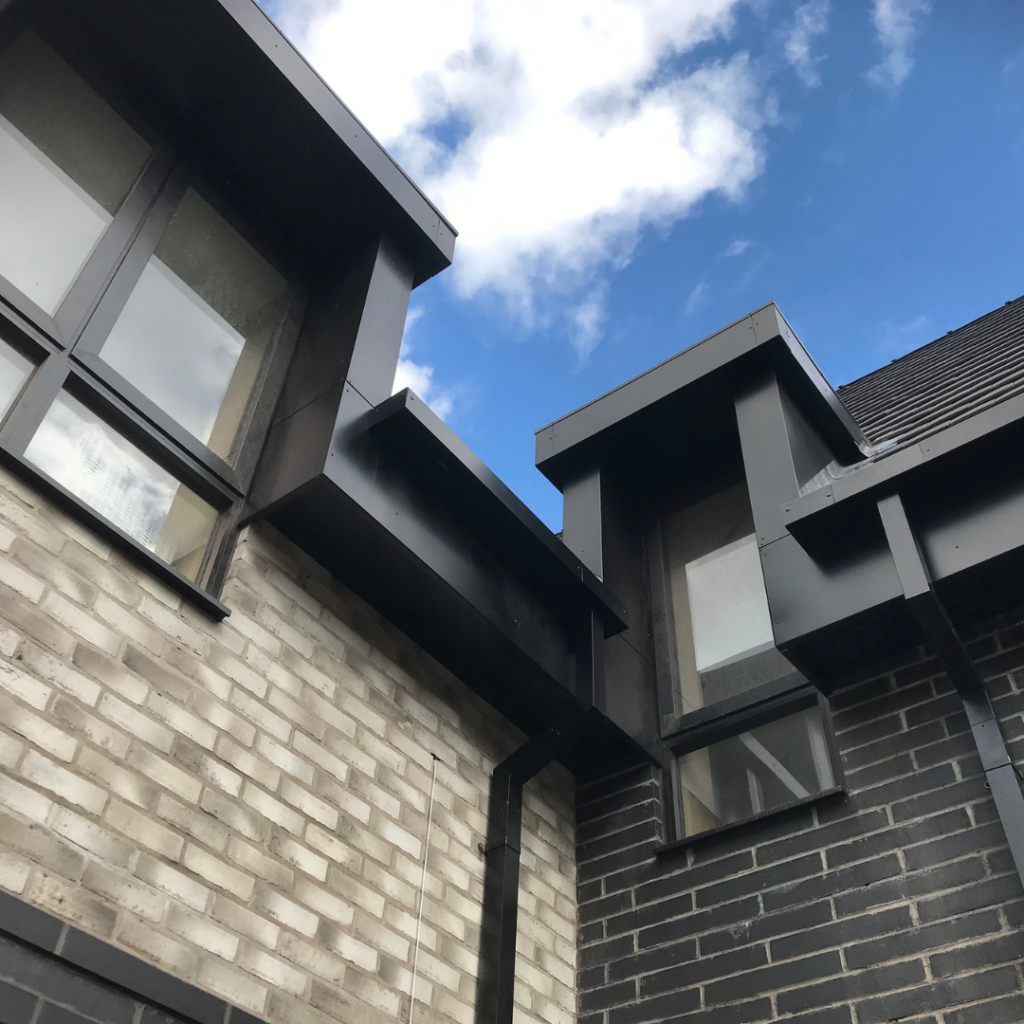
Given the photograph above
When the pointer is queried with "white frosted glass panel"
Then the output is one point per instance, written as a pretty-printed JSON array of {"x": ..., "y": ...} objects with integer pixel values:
[
  {"x": 728, "y": 604},
  {"x": 48, "y": 225},
  {"x": 67, "y": 161},
  {"x": 107, "y": 472},
  {"x": 199, "y": 324}
]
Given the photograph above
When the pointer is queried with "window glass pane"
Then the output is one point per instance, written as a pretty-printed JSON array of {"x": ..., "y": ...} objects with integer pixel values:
[
  {"x": 67, "y": 162},
  {"x": 195, "y": 331},
  {"x": 728, "y": 580},
  {"x": 14, "y": 371},
  {"x": 719, "y": 608},
  {"x": 768, "y": 767},
  {"x": 107, "y": 472}
]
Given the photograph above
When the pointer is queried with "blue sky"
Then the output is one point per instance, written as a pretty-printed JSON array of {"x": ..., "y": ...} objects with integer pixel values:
[{"x": 629, "y": 177}]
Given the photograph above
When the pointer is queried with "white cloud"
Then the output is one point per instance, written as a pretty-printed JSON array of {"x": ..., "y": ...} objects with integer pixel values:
[
  {"x": 420, "y": 376},
  {"x": 738, "y": 248},
  {"x": 551, "y": 134},
  {"x": 699, "y": 295},
  {"x": 897, "y": 22},
  {"x": 811, "y": 20},
  {"x": 588, "y": 321}
]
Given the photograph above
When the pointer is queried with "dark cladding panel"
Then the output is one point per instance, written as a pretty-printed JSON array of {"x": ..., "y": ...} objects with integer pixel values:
[
  {"x": 806, "y": 595},
  {"x": 582, "y": 519},
  {"x": 629, "y": 691},
  {"x": 377, "y": 344}
]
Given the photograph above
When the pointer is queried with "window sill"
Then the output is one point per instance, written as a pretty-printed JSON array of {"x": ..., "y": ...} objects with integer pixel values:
[
  {"x": 736, "y": 826},
  {"x": 167, "y": 574}
]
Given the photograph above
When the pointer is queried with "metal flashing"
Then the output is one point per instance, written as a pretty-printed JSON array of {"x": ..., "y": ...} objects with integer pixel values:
[
  {"x": 350, "y": 131},
  {"x": 890, "y": 465},
  {"x": 763, "y": 329},
  {"x": 221, "y": 75},
  {"x": 416, "y": 424}
]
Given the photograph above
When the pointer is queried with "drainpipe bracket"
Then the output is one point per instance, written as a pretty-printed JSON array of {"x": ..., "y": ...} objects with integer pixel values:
[{"x": 502, "y": 844}]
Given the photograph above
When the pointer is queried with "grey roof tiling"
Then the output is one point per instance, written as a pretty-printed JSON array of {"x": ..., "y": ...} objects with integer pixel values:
[{"x": 955, "y": 376}]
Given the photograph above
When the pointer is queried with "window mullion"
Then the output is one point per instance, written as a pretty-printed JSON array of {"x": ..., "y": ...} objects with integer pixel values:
[
  {"x": 131, "y": 221},
  {"x": 124, "y": 280},
  {"x": 28, "y": 411}
]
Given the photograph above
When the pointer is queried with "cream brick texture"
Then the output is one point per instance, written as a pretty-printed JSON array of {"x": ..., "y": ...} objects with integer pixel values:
[{"x": 245, "y": 803}]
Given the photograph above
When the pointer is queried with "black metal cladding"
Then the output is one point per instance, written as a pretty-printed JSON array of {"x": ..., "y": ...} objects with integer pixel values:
[
  {"x": 225, "y": 76},
  {"x": 814, "y": 480},
  {"x": 381, "y": 493}
]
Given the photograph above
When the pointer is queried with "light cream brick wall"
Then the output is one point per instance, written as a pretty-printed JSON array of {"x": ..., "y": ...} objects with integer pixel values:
[{"x": 245, "y": 803}]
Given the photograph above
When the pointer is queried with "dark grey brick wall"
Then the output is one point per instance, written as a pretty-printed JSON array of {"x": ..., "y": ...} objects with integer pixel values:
[{"x": 896, "y": 902}]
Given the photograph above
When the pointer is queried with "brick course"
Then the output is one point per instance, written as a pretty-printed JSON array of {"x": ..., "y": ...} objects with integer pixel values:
[
  {"x": 898, "y": 901},
  {"x": 245, "y": 803}
]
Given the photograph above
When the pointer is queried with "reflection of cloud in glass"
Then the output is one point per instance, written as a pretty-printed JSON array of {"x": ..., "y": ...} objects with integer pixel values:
[
  {"x": 104, "y": 470},
  {"x": 196, "y": 329},
  {"x": 728, "y": 604},
  {"x": 171, "y": 345}
]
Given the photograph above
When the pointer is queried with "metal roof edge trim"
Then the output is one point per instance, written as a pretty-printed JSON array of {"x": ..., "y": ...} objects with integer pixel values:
[
  {"x": 754, "y": 330},
  {"x": 350, "y": 131},
  {"x": 867, "y": 476},
  {"x": 409, "y": 403}
]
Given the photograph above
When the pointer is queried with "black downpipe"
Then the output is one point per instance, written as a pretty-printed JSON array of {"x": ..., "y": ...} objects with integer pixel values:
[
  {"x": 919, "y": 591},
  {"x": 496, "y": 981}
]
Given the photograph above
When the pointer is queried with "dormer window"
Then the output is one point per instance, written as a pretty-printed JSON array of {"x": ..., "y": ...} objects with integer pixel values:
[
  {"x": 140, "y": 315},
  {"x": 720, "y": 623},
  {"x": 67, "y": 163},
  {"x": 749, "y": 734}
]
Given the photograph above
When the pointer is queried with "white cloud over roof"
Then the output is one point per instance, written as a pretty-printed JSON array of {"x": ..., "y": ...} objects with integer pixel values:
[{"x": 550, "y": 134}]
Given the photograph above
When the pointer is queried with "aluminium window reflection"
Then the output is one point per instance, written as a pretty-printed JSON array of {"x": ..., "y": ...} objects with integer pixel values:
[
  {"x": 101, "y": 468},
  {"x": 199, "y": 324},
  {"x": 719, "y": 617},
  {"x": 67, "y": 163},
  {"x": 753, "y": 772}
]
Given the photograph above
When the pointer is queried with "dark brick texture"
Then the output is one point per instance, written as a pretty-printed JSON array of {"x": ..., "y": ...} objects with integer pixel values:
[{"x": 897, "y": 901}]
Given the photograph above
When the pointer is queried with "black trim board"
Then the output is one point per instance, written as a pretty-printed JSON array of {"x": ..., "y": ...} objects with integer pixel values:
[
  {"x": 406, "y": 421},
  {"x": 34, "y": 927},
  {"x": 561, "y": 445},
  {"x": 251, "y": 103}
]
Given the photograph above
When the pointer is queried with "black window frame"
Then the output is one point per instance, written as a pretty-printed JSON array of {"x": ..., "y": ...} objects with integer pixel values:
[
  {"x": 683, "y": 732},
  {"x": 65, "y": 346}
]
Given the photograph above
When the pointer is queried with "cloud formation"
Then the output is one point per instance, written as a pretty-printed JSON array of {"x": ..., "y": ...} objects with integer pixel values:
[
  {"x": 420, "y": 376},
  {"x": 737, "y": 248},
  {"x": 897, "y": 23},
  {"x": 811, "y": 20},
  {"x": 551, "y": 134}
]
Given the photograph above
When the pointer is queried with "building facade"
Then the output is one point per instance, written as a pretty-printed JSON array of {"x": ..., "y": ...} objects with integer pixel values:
[{"x": 305, "y": 718}]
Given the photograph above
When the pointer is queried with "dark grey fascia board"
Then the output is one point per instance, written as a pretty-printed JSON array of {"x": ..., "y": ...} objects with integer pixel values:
[
  {"x": 866, "y": 477},
  {"x": 350, "y": 131},
  {"x": 421, "y": 425},
  {"x": 754, "y": 331}
]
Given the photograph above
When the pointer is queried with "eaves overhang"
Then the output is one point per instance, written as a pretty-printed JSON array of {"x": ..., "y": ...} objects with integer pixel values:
[
  {"x": 393, "y": 505},
  {"x": 836, "y": 598},
  {"x": 710, "y": 368},
  {"x": 445, "y": 463},
  {"x": 251, "y": 103}
]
